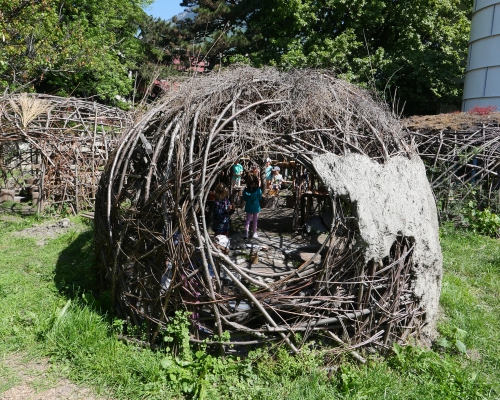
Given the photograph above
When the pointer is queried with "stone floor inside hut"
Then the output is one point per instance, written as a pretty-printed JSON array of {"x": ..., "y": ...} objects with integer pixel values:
[{"x": 279, "y": 247}]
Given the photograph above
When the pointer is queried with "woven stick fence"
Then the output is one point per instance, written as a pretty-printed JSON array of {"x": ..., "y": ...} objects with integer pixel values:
[
  {"x": 462, "y": 156},
  {"x": 56, "y": 146},
  {"x": 156, "y": 251}
]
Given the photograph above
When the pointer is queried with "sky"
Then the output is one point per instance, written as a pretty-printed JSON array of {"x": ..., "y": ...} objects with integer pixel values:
[{"x": 164, "y": 9}]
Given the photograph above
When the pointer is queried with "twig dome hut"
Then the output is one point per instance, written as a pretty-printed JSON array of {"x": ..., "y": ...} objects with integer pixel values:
[
  {"x": 156, "y": 250},
  {"x": 52, "y": 148}
]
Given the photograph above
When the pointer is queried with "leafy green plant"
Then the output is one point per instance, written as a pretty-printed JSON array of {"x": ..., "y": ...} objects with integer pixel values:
[
  {"x": 484, "y": 222},
  {"x": 453, "y": 340},
  {"x": 117, "y": 325},
  {"x": 468, "y": 154},
  {"x": 65, "y": 210},
  {"x": 195, "y": 372},
  {"x": 176, "y": 334},
  {"x": 139, "y": 332}
]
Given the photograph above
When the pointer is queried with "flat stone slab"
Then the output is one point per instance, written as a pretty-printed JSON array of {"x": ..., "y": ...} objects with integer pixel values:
[{"x": 316, "y": 258}]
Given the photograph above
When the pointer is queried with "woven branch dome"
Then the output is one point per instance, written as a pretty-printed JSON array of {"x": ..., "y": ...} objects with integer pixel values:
[{"x": 156, "y": 251}]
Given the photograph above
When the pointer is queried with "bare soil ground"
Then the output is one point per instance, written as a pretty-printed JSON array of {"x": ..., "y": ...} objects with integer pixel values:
[
  {"x": 33, "y": 380},
  {"x": 10, "y": 218},
  {"x": 45, "y": 232}
]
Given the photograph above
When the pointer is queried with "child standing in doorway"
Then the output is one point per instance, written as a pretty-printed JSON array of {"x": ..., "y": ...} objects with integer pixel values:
[
  {"x": 236, "y": 173},
  {"x": 252, "y": 195},
  {"x": 268, "y": 169},
  {"x": 222, "y": 211},
  {"x": 277, "y": 179}
]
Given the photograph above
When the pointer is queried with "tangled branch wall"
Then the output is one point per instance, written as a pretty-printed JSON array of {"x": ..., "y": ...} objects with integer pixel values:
[
  {"x": 461, "y": 154},
  {"x": 156, "y": 252},
  {"x": 56, "y": 147}
]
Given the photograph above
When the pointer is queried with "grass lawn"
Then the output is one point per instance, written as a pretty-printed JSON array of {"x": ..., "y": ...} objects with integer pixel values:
[{"x": 47, "y": 313}]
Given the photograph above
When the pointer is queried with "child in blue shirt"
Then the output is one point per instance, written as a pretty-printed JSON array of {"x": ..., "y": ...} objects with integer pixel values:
[
  {"x": 236, "y": 173},
  {"x": 268, "y": 169},
  {"x": 252, "y": 195}
]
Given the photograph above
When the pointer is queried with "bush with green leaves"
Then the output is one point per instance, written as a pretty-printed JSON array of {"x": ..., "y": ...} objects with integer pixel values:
[
  {"x": 453, "y": 340},
  {"x": 484, "y": 222}
]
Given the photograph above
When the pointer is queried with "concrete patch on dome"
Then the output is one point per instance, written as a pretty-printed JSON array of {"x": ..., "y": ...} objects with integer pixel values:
[{"x": 391, "y": 200}]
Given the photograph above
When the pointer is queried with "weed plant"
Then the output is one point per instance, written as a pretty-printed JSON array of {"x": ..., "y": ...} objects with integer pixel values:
[
  {"x": 46, "y": 309},
  {"x": 484, "y": 222}
]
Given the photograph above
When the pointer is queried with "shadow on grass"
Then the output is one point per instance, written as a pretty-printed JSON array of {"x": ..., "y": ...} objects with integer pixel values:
[{"x": 76, "y": 273}]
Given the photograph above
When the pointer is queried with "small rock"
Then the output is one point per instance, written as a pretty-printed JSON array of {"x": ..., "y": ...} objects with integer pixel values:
[
  {"x": 321, "y": 238},
  {"x": 308, "y": 256},
  {"x": 278, "y": 264}
]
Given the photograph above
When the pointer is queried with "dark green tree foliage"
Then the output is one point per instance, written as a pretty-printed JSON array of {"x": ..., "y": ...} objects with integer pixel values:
[
  {"x": 161, "y": 42},
  {"x": 78, "y": 47},
  {"x": 416, "y": 48},
  {"x": 178, "y": 46}
]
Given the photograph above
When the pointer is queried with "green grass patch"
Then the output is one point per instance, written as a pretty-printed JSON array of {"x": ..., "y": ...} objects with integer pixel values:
[
  {"x": 470, "y": 300},
  {"x": 46, "y": 309}
]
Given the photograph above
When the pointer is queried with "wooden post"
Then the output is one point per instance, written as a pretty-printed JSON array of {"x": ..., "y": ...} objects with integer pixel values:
[
  {"x": 302, "y": 209},
  {"x": 41, "y": 187},
  {"x": 93, "y": 154},
  {"x": 77, "y": 205}
]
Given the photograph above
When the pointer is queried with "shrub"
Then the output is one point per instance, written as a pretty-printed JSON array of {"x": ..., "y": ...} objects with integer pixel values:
[
  {"x": 486, "y": 110},
  {"x": 483, "y": 222}
]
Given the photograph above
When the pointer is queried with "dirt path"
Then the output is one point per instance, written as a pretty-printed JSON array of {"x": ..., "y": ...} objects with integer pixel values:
[
  {"x": 47, "y": 231},
  {"x": 32, "y": 380}
]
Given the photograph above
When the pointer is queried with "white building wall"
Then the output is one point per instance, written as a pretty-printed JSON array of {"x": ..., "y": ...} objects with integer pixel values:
[{"x": 482, "y": 79}]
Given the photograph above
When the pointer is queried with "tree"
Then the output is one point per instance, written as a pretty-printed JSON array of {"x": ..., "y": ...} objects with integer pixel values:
[
  {"x": 173, "y": 50},
  {"x": 165, "y": 54},
  {"x": 79, "y": 47},
  {"x": 415, "y": 47}
]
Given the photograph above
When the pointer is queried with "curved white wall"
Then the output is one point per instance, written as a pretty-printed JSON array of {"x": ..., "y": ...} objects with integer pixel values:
[{"x": 482, "y": 79}]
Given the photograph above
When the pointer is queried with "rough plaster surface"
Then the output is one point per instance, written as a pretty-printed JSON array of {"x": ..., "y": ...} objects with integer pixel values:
[{"x": 390, "y": 199}]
